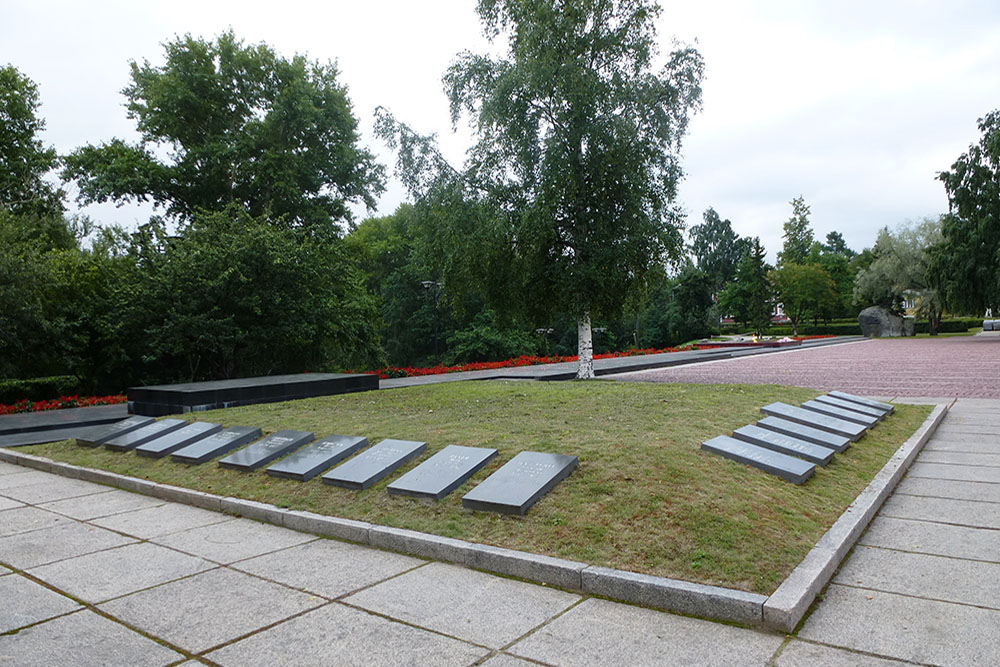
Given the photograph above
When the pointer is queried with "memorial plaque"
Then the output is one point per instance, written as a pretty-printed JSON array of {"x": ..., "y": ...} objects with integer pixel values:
[
  {"x": 216, "y": 445},
  {"x": 840, "y": 413},
  {"x": 784, "y": 444},
  {"x": 520, "y": 482},
  {"x": 854, "y": 407},
  {"x": 133, "y": 439},
  {"x": 317, "y": 457},
  {"x": 786, "y": 467},
  {"x": 373, "y": 464},
  {"x": 182, "y": 437},
  {"x": 872, "y": 403},
  {"x": 270, "y": 448},
  {"x": 102, "y": 434},
  {"x": 442, "y": 473},
  {"x": 847, "y": 429},
  {"x": 837, "y": 443}
]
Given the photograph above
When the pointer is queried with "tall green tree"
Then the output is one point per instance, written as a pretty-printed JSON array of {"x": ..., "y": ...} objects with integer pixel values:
[
  {"x": 965, "y": 266},
  {"x": 798, "y": 235},
  {"x": 803, "y": 289},
  {"x": 902, "y": 262},
  {"x": 749, "y": 297},
  {"x": 717, "y": 249},
  {"x": 240, "y": 125},
  {"x": 24, "y": 160},
  {"x": 577, "y": 159}
]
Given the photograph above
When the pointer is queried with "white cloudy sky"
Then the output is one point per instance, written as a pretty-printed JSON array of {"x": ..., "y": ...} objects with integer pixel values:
[{"x": 854, "y": 105}]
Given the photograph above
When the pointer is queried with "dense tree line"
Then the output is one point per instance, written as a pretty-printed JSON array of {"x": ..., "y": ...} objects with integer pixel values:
[{"x": 559, "y": 234}]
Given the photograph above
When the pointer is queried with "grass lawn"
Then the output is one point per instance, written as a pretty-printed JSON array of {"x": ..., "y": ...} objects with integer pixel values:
[{"x": 645, "y": 497}]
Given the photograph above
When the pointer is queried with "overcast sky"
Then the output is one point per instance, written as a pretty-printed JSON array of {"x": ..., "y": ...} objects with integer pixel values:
[{"x": 853, "y": 105}]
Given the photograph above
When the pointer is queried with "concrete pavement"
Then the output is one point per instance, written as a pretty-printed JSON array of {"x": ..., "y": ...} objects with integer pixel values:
[{"x": 96, "y": 576}]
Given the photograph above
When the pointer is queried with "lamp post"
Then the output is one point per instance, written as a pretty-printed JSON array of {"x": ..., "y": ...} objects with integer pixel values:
[{"x": 435, "y": 288}]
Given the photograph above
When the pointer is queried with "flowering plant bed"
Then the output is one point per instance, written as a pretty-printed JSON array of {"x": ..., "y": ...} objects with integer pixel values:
[
  {"x": 60, "y": 403},
  {"x": 516, "y": 362}
]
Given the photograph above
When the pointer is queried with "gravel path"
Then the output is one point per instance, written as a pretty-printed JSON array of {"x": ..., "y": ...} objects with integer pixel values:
[{"x": 964, "y": 367}]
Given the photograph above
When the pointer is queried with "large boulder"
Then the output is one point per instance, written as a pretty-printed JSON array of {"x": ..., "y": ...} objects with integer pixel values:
[{"x": 879, "y": 322}]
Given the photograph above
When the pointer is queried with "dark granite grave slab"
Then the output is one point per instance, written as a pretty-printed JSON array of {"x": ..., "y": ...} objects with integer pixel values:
[
  {"x": 784, "y": 444},
  {"x": 840, "y": 413},
  {"x": 60, "y": 420},
  {"x": 171, "y": 399},
  {"x": 870, "y": 402},
  {"x": 520, "y": 482},
  {"x": 837, "y": 443},
  {"x": 442, "y": 473},
  {"x": 99, "y": 436},
  {"x": 216, "y": 445},
  {"x": 266, "y": 450},
  {"x": 179, "y": 439},
  {"x": 786, "y": 467},
  {"x": 854, "y": 407},
  {"x": 374, "y": 464},
  {"x": 317, "y": 457},
  {"x": 133, "y": 439},
  {"x": 792, "y": 413}
]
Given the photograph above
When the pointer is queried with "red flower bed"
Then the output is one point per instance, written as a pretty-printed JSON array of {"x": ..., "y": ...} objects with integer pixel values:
[
  {"x": 60, "y": 403},
  {"x": 523, "y": 360}
]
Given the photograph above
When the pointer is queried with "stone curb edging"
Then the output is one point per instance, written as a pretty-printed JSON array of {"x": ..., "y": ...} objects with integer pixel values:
[
  {"x": 786, "y": 607},
  {"x": 781, "y": 611}
]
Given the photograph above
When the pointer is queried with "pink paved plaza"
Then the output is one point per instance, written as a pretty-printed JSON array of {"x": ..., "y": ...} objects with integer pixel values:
[{"x": 965, "y": 367}]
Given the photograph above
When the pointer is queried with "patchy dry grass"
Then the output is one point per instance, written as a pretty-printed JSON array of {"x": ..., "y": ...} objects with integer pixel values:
[{"x": 645, "y": 497}]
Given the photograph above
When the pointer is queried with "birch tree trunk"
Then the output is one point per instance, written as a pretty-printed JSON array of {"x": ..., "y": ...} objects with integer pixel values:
[{"x": 585, "y": 347}]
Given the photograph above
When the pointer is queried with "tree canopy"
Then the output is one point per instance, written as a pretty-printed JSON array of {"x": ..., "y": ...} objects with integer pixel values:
[
  {"x": 577, "y": 159},
  {"x": 240, "y": 125},
  {"x": 965, "y": 266},
  {"x": 798, "y": 234},
  {"x": 748, "y": 297},
  {"x": 717, "y": 248}
]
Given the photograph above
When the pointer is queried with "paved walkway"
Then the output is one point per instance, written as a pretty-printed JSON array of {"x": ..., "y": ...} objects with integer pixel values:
[
  {"x": 963, "y": 366},
  {"x": 96, "y": 576}
]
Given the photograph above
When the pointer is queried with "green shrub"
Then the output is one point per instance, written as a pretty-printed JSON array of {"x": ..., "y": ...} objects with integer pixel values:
[{"x": 38, "y": 389}]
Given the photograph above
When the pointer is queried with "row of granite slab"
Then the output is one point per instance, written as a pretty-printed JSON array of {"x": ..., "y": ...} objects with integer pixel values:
[
  {"x": 790, "y": 441},
  {"x": 349, "y": 460}
]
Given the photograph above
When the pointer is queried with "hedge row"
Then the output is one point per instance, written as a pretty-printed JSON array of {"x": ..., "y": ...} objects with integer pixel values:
[{"x": 38, "y": 389}]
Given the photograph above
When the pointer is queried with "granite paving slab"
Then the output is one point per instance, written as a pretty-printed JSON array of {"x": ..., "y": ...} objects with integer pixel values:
[
  {"x": 9, "y": 503},
  {"x": 933, "y": 538},
  {"x": 83, "y": 639},
  {"x": 924, "y": 576},
  {"x": 907, "y": 628},
  {"x": 953, "y": 431},
  {"x": 451, "y": 600},
  {"x": 943, "y": 488},
  {"x": 804, "y": 654},
  {"x": 100, "y": 576},
  {"x": 160, "y": 520},
  {"x": 25, "y": 478},
  {"x": 10, "y": 469},
  {"x": 507, "y": 660},
  {"x": 943, "y": 510},
  {"x": 961, "y": 458},
  {"x": 210, "y": 608},
  {"x": 599, "y": 632},
  {"x": 66, "y": 540},
  {"x": 981, "y": 446},
  {"x": 234, "y": 540},
  {"x": 25, "y": 602},
  {"x": 347, "y": 637},
  {"x": 102, "y": 504},
  {"x": 57, "y": 489},
  {"x": 955, "y": 472},
  {"x": 25, "y": 519},
  {"x": 329, "y": 567}
]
